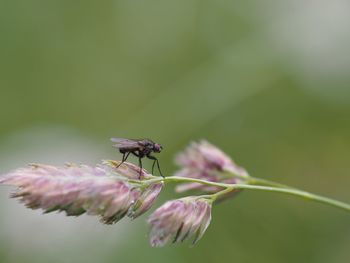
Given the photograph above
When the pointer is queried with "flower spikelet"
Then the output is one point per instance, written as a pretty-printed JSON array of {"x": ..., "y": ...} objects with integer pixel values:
[
  {"x": 179, "y": 220},
  {"x": 103, "y": 190},
  {"x": 202, "y": 160}
]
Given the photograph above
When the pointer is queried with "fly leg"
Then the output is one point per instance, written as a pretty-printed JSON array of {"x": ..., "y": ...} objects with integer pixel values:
[
  {"x": 140, "y": 156},
  {"x": 125, "y": 156},
  {"x": 155, "y": 161},
  {"x": 140, "y": 164},
  {"x": 121, "y": 161}
]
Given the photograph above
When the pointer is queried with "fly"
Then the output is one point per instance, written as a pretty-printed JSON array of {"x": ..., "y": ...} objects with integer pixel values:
[{"x": 140, "y": 148}]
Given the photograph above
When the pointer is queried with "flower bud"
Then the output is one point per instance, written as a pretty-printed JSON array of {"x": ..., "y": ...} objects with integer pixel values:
[
  {"x": 179, "y": 220},
  {"x": 103, "y": 190},
  {"x": 146, "y": 200},
  {"x": 126, "y": 169},
  {"x": 204, "y": 161},
  {"x": 149, "y": 194}
]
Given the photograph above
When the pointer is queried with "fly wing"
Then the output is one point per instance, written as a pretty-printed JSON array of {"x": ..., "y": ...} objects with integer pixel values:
[{"x": 122, "y": 143}]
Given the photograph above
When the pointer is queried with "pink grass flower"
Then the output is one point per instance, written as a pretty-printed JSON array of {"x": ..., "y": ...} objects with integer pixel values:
[
  {"x": 179, "y": 220},
  {"x": 202, "y": 160},
  {"x": 146, "y": 200},
  {"x": 126, "y": 169},
  {"x": 104, "y": 190}
]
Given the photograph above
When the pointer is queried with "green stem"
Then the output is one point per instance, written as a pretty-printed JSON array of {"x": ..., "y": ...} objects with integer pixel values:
[
  {"x": 296, "y": 192},
  {"x": 221, "y": 193},
  {"x": 276, "y": 188},
  {"x": 253, "y": 180},
  {"x": 258, "y": 181},
  {"x": 179, "y": 179}
]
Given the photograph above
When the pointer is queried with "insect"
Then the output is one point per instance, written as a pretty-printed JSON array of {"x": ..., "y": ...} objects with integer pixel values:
[{"x": 140, "y": 148}]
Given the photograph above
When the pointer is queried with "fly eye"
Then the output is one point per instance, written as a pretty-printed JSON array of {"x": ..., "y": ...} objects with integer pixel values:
[{"x": 157, "y": 147}]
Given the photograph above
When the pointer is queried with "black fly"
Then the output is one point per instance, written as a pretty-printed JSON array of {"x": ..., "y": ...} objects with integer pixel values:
[{"x": 140, "y": 148}]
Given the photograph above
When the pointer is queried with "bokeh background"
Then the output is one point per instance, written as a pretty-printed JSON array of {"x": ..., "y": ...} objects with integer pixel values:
[{"x": 267, "y": 81}]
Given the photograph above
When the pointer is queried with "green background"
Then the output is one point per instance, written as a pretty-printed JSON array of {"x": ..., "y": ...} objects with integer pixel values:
[{"x": 266, "y": 81}]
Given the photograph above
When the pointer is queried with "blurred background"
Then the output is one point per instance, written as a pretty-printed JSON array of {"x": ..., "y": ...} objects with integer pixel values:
[{"x": 266, "y": 81}]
